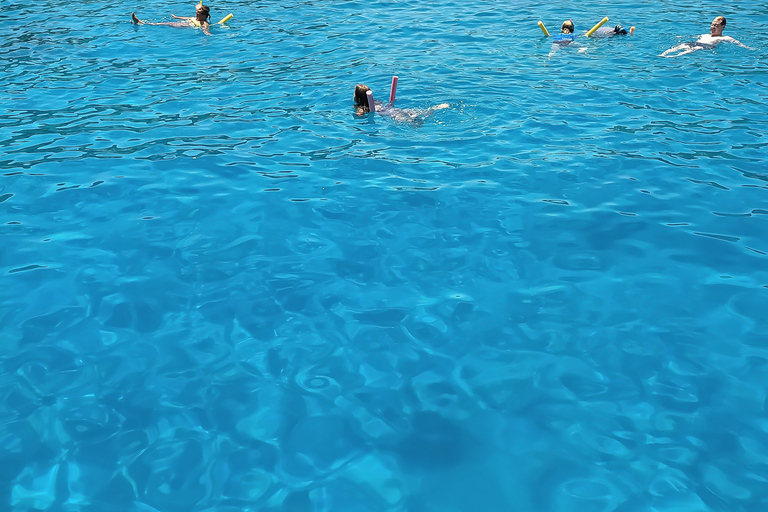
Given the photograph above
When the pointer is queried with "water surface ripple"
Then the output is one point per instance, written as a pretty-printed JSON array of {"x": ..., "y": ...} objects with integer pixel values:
[{"x": 223, "y": 290}]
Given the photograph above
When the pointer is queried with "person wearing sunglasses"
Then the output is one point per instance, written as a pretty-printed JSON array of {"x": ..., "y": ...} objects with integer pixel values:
[{"x": 705, "y": 41}]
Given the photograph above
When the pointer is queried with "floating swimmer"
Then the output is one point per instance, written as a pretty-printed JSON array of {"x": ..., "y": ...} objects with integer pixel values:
[
  {"x": 364, "y": 103},
  {"x": 705, "y": 41},
  {"x": 201, "y": 20},
  {"x": 564, "y": 38},
  {"x": 566, "y": 35},
  {"x": 618, "y": 30}
]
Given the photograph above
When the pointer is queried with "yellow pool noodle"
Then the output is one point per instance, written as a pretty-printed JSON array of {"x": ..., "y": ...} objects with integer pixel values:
[
  {"x": 226, "y": 18},
  {"x": 543, "y": 29},
  {"x": 600, "y": 24}
]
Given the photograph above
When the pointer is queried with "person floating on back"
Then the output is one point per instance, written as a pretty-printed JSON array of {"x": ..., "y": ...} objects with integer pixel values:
[
  {"x": 705, "y": 41},
  {"x": 410, "y": 115},
  {"x": 202, "y": 19}
]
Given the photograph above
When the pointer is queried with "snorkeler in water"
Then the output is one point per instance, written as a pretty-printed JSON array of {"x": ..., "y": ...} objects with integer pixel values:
[
  {"x": 566, "y": 33},
  {"x": 202, "y": 19},
  {"x": 705, "y": 41},
  {"x": 409, "y": 115},
  {"x": 618, "y": 30},
  {"x": 564, "y": 38}
]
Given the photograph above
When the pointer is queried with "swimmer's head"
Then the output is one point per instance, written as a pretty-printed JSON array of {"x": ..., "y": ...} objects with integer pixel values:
[
  {"x": 202, "y": 12},
  {"x": 619, "y": 30},
  {"x": 361, "y": 98},
  {"x": 567, "y": 27},
  {"x": 717, "y": 26}
]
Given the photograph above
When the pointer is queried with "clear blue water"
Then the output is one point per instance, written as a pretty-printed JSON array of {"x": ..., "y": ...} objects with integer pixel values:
[{"x": 223, "y": 291}]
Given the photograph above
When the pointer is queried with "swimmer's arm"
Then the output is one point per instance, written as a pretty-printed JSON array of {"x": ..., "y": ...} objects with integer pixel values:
[
  {"x": 205, "y": 26},
  {"x": 732, "y": 40},
  {"x": 181, "y": 17}
]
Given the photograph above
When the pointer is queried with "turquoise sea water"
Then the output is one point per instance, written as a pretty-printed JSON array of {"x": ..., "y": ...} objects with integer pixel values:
[{"x": 221, "y": 290}]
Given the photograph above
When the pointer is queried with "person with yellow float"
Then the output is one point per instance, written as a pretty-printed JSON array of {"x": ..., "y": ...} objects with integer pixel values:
[
  {"x": 201, "y": 20},
  {"x": 566, "y": 35}
]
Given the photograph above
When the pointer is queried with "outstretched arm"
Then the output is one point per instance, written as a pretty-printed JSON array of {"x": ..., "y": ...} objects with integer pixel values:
[
  {"x": 732, "y": 40},
  {"x": 181, "y": 17}
]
